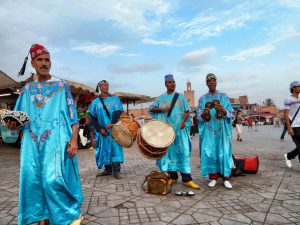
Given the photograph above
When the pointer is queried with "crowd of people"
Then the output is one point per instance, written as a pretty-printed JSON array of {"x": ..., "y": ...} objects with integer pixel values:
[{"x": 50, "y": 186}]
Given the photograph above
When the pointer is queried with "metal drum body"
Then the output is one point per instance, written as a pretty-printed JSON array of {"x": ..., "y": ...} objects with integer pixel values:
[
  {"x": 154, "y": 139},
  {"x": 125, "y": 131}
]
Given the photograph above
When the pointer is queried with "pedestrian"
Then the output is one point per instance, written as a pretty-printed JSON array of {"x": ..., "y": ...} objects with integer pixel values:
[
  {"x": 249, "y": 123},
  {"x": 193, "y": 127},
  {"x": 284, "y": 130},
  {"x": 256, "y": 124},
  {"x": 239, "y": 125},
  {"x": 292, "y": 120},
  {"x": 104, "y": 112},
  {"x": 50, "y": 189},
  {"x": 141, "y": 121},
  {"x": 177, "y": 158},
  {"x": 276, "y": 121},
  {"x": 215, "y": 135}
]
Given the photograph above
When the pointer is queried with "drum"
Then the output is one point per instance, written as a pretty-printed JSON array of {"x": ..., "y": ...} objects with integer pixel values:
[
  {"x": 20, "y": 118},
  {"x": 154, "y": 139},
  {"x": 125, "y": 131}
]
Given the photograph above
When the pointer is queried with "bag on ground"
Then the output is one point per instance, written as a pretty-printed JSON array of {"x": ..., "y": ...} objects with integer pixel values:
[
  {"x": 245, "y": 165},
  {"x": 158, "y": 183}
]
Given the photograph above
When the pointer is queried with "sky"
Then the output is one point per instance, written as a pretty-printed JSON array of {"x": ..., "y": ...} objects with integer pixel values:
[{"x": 252, "y": 46}]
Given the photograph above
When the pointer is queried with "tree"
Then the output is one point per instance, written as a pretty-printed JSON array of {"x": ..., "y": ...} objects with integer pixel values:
[{"x": 269, "y": 102}]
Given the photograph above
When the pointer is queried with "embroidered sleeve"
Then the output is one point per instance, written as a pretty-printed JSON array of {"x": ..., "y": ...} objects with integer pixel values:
[
  {"x": 200, "y": 109},
  {"x": 22, "y": 104},
  {"x": 70, "y": 102},
  {"x": 228, "y": 107}
]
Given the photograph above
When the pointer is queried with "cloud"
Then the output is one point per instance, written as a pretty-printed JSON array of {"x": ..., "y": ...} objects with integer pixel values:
[
  {"x": 130, "y": 54},
  {"x": 157, "y": 42},
  {"x": 98, "y": 49},
  {"x": 197, "y": 58},
  {"x": 290, "y": 3},
  {"x": 143, "y": 68},
  {"x": 251, "y": 52},
  {"x": 213, "y": 22},
  {"x": 293, "y": 55}
]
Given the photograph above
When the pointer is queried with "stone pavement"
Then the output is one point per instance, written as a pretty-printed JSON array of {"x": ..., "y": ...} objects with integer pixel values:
[{"x": 270, "y": 197}]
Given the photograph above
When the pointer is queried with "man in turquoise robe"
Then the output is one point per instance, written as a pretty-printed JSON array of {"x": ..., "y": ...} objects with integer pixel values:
[
  {"x": 177, "y": 158},
  {"x": 50, "y": 188},
  {"x": 105, "y": 111},
  {"x": 215, "y": 134}
]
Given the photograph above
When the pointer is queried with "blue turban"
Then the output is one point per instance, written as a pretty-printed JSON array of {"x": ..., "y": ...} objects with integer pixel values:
[{"x": 169, "y": 77}]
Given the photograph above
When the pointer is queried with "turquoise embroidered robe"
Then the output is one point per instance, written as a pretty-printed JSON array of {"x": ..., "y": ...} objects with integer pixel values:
[
  {"x": 107, "y": 150},
  {"x": 50, "y": 185},
  {"x": 215, "y": 137},
  {"x": 178, "y": 155}
]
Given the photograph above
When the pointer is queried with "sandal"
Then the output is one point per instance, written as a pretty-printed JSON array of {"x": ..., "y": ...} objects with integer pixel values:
[
  {"x": 178, "y": 193},
  {"x": 184, "y": 193},
  {"x": 77, "y": 221}
]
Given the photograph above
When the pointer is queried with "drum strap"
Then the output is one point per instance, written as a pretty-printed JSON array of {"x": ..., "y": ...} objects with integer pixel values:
[
  {"x": 104, "y": 106},
  {"x": 175, "y": 97},
  {"x": 295, "y": 115}
]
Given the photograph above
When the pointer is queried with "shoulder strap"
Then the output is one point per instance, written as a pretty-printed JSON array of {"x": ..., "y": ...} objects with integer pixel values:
[
  {"x": 295, "y": 115},
  {"x": 104, "y": 106},
  {"x": 175, "y": 97}
]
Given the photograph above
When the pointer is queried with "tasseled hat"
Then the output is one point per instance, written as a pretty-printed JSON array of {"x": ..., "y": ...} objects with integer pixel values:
[{"x": 35, "y": 51}]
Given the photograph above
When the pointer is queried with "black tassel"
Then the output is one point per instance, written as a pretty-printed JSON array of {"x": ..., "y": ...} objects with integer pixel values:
[
  {"x": 97, "y": 88},
  {"x": 22, "y": 71}
]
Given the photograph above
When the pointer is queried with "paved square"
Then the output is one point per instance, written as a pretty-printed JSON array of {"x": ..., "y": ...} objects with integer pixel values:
[{"x": 270, "y": 197}]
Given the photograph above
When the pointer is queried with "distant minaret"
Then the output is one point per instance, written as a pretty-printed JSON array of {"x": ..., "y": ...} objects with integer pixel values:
[{"x": 189, "y": 94}]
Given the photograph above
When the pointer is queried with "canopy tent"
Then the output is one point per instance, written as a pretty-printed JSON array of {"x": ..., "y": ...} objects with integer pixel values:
[
  {"x": 6, "y": 81},
  {"x": 8, "y": 89},
  {"x": 266, "y": 116},
  {"x": 130, "y": 98},
  {"x": 76, "y": 88}
]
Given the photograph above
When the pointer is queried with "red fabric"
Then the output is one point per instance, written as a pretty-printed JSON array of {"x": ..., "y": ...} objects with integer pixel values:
[
  {"x": 251, "y": 164},
  {"x": 37, "y": 50},
  {"x": 216, "y": 176},
  {"x": 249, "y": 121}
]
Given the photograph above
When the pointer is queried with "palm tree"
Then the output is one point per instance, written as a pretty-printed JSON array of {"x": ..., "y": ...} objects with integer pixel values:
[{"x": 269, "y": 102}]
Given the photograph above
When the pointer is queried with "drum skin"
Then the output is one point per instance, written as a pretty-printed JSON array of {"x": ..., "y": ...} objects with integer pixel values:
[
  {"x": 158, "y": 133},
  {"x": 125, "y": 131},
  {"x": 154, "y": 139},
  {"x": 148, "y": 151}
]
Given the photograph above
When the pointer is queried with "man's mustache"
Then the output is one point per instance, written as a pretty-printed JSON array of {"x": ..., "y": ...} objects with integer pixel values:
[{"x": 44, "y": 67}]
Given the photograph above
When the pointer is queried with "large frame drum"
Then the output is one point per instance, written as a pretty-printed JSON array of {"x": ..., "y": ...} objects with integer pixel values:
[
  {"x": 125, "y": 131},
  {"x": 154, "y": 139}
]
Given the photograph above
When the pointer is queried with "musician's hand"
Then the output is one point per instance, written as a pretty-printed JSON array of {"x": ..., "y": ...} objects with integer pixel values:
[
  {"x": 72, "y": 147},
  {"x": 291, "y": 131},
  {"x": 11, "y": 125},
  {"x": 109, "y": 126},
  {"x": 103, "y": 133},
  {"x": 206, "y": 111},
  {"x": 166, "y": 109},
  {"x": 219, "y": 107},
  {"x": 182, "y": 124}
]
